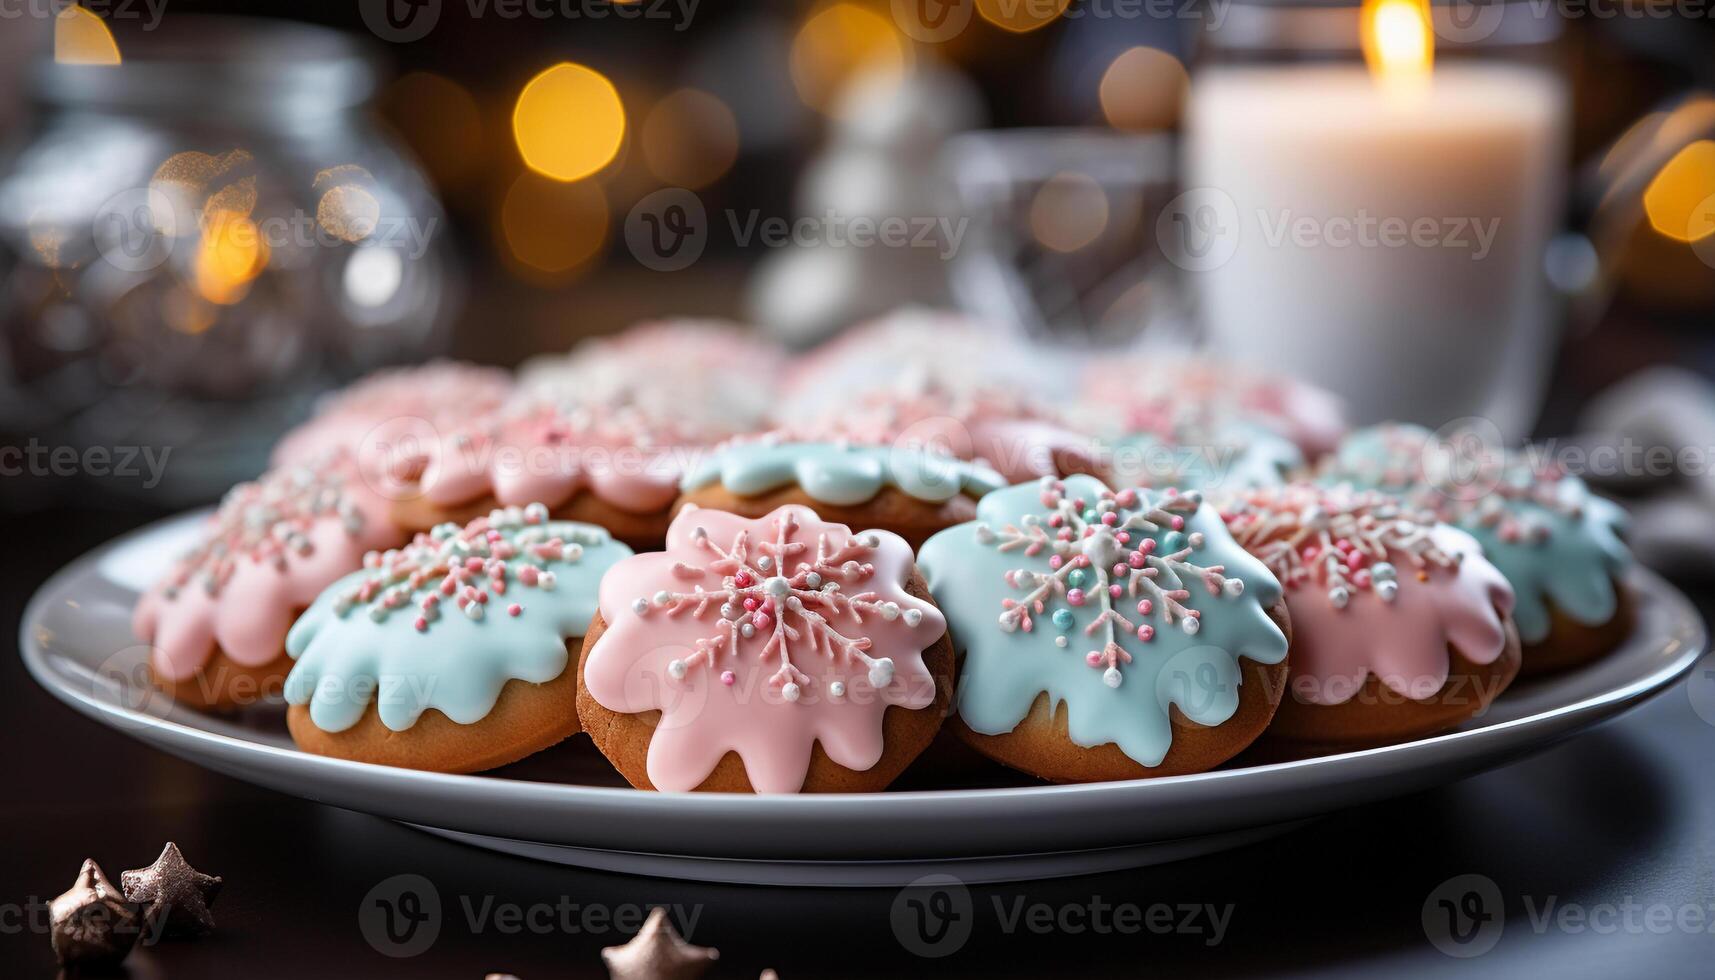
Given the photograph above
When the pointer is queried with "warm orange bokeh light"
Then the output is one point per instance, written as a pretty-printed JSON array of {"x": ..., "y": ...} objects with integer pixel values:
[
  {"x": 81, "y": 38},
  {"x": 1398, "y": 39},
  {"x": 1680, "y": 201},
  {"x": 230, "y": 255},
  {"x": 1069, "y": 211},
  {"x": 441, "y": 121},
  {"x": 554, "y": 227},
  {"x": 690, "y": 139},
  {"x": 1143, "y": 90},
  {"x": 1021, "y": 16},
  {"x": 569, "y": 122},
  {"x": 837, "y": 43}
]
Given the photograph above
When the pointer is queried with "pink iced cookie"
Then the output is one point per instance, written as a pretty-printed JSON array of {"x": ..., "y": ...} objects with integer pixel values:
[
  {"x": 773, "y": 650},
  {"x": 709, "y": 379},
  {"x": 1169, "y": 393},
  {"x": 1400, "y": 627},
  {"x": 604, "y": 467},
  {"x": 218, "y": 620},
  {"x": 435, "y": 393}
]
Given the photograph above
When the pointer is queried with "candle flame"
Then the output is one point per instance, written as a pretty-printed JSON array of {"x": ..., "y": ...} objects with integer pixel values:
[{"x": 1398, "y": 39}]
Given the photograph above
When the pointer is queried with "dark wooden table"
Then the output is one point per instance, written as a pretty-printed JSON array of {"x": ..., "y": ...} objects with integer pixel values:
[{"x": 1618, "y": 826}]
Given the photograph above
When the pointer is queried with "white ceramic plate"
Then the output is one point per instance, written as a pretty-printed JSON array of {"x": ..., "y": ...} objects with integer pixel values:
[{"x": 565, "y": 805}]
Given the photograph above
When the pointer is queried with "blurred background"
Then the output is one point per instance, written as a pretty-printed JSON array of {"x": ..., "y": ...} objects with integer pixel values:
[{"x": 206, "y": 221}]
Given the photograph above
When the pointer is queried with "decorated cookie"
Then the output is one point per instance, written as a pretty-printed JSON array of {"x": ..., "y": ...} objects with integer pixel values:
[
  {"x": 1400, "y": 628},
  {"x": 611, "y": 468},
  {"x": 1019, "y": 438},
  {"x": 1230, "y": 457},
  {"x": 709, "y": 378},
  {"x": 436, "y": 393},
  {"x": 777, "y": 654},
  {"x": 909, "y": 491},
  {"x": 452, "y": 653},
  {"x": 1558, "y": 544},
  {"x": 217, "y": 621},
  {"x": 1107, "y": 635},
  {"x": 1163, "y": 392}
]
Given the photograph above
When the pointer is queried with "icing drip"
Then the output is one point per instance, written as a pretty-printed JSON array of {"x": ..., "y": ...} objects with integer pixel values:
[
  {"x": 1373, "y": 588},
  {"x": 545, "y": 454},
  {"x": 838, "y": 473},
  {"x": 268, "y": 549},
  {"x": 447, "y": 620},
  {"x": 1164, "y": 597},
  {"x": 1551, "y": 538},
  {"x": 763, "y": 638}
]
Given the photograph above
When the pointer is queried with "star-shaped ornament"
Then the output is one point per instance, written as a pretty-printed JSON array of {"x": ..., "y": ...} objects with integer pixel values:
[
  {"x": 92, "y": 924},
  {"x": 174, "y": 896},
  {"x": 657, "y": 953}
]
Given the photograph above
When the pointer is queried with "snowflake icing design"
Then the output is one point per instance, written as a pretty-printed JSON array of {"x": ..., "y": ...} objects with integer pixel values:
[
  {"x": 1100, "y": 552},
  {"x": 1464, "y": 481},
  {"x": 781, "y": 593},
  {"x": 1344, "y": 542},
  {"x": 466, "y": 566}
]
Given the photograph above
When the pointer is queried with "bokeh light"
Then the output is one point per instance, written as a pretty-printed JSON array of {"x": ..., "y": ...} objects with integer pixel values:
[
  {"x": 1680, "y": 201},
  {"x": 1143, "y": 90},
  {"x": 441, "y": 122},
  {"x": 569, "y": 122},
  {"x": 690, "y": 139},
  {"x": 554, "y": 227},
  {"x": 1069, "y": 211},
  {"x": 347, "y": 208},
  {"x": 1021, "y": 16},
  {"x": 81, "y": 38},
  {"x": 837, "y": 42},
  {"x": 1398, "y": 38},
  {"x": 230, "y": 255}
]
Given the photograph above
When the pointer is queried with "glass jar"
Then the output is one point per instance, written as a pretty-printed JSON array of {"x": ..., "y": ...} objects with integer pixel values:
[{"x": 195, "y": 242}]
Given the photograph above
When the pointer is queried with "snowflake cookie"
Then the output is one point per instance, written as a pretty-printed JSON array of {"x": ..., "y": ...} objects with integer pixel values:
[
  {"x": 763, "y": 637},
  {"x": 1374, "y": 589},
  {"x": 446, "y": 621},
  {"x": 1120, "y": 604},
  {"x": 1556, "y": 542}
]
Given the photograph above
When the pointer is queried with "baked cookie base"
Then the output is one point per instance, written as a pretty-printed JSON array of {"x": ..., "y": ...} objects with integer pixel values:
[
  {"x": 1377, "y": 715},
  {"x": 525, "y": 720},
  {"x": 624, "y": 738},
  {"x": 1570, "y": 643},
  {"x": 224, "y": 685},
  {"x": 1042, "y": 746},
  {"x": 642, "y": 532},
  {"x": 890, "y": 510}
]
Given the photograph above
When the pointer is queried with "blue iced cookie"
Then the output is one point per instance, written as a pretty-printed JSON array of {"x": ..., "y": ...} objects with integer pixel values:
[{"x": 1107, "y": 635}]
